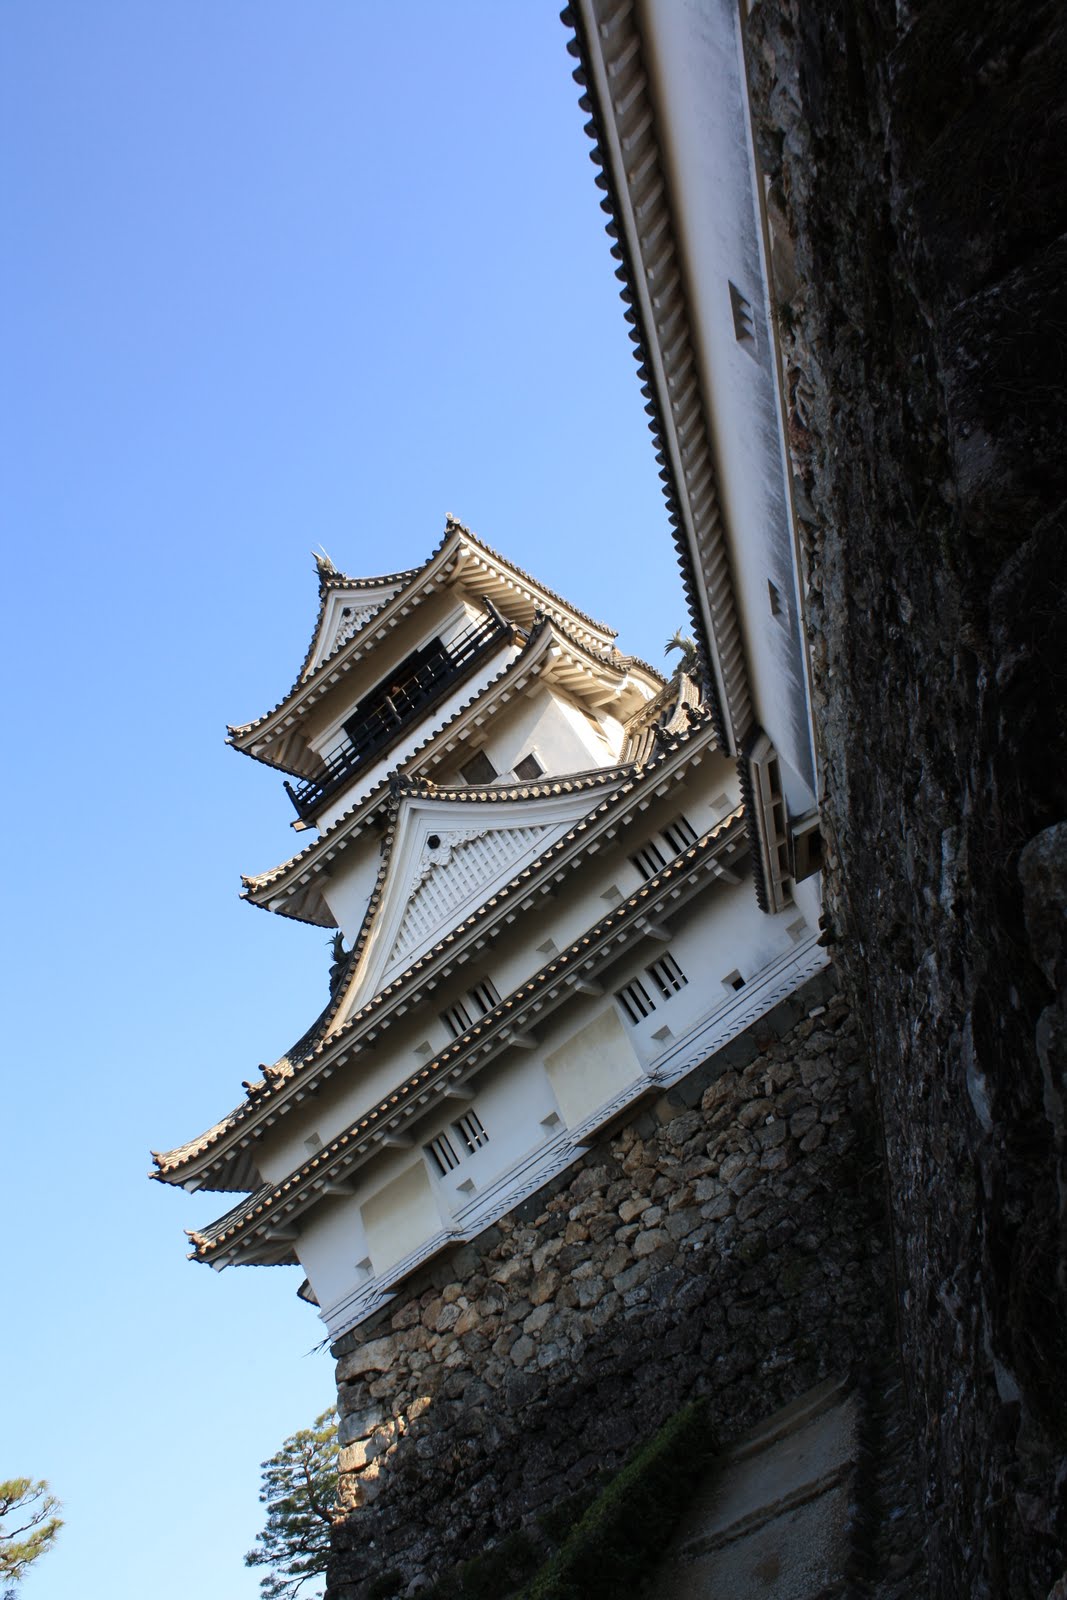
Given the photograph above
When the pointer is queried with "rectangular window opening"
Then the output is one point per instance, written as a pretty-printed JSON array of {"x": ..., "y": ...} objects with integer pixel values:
[
  {"x": 528, "y": 768},
  {"x": 744, "y": 321},
  {"x": 471, "y": 1132},
  {"x": 667, "y": 975},
  {"x": 484, "y": 996},
  {"x": 679, "y": 835},
  {"x": 648, "y": 860},
  {"x": 733, "y": 980},
  {"x": 636, "y": 1001},
  {"x": 442, "y": 1154},
  {"x": 479, "y": 770},
  {"x": 775, "y": 598},
  {"x": 456, "y": 1019}
]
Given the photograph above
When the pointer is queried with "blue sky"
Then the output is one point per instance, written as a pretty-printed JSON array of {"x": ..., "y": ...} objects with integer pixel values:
[{"x": 275, "y": 276}]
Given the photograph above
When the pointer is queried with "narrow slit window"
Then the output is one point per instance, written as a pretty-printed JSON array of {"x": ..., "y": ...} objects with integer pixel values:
[
  {"x": 479, "y": 770},
  {"x": 442, "y": 1154},
  {"x": 744, "y": 322},
  {"x": 648, "y": 860},
  {"x": 484, "y": 996},
  {"x": 636, "y": 1001},
  {"x": 528, "y": 768},
  {"x": 774, "y": 600},
  {"x": 667, "y": 975},
  {"x": 456, "y": 1019},
  {"x": 680, "y": 834},
  {"x": 471, "y": 1132}
]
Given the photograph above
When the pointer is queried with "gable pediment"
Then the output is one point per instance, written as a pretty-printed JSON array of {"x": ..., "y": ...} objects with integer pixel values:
[
  {"x": 344, "y": 612},
  {"x": 447, "y": 859}
]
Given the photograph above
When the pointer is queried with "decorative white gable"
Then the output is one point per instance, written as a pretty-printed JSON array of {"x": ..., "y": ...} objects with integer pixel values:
[
  {"x": 448, "y": 858},
  {"x": 345, "y": 613},
  {"x": 453, "y": 872}
]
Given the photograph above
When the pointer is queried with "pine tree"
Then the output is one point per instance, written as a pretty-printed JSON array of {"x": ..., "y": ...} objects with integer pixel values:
[
  {"x": 28, "y": 1527},
  {"x": 300, "y": 1492}
]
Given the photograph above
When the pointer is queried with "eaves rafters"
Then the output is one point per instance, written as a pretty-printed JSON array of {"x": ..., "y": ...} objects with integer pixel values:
[
  {"x": 330, "y": 1049},
  {"x": 637, "y": 200},
  {"x": 275, "y": 1207}
]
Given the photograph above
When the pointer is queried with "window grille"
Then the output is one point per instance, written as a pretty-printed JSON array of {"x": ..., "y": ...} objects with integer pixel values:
[
  {"x": 648, "y": 860},
  {"x": 528, "y": 768},
  {"x": 484, "y": 996},
  {"x": 456, "y": 1019},
  {"x": 479, "y": 770},
  {"x": 667, "y": 975},
  {"x": 679, "y": 835},
  {"x": 636, "y": 1001},
  {"x": 471, "y": 1132},
  {"x": 442, "y": 1154}
]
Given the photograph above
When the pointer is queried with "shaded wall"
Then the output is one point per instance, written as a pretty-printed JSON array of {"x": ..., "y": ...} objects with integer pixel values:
[{"x": 917, "y": 210}]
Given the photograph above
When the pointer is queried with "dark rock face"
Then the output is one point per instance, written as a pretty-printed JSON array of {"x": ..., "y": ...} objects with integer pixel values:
[
  {"x": 919, "y": 238},
  {"x": 730, "y": 1242}
]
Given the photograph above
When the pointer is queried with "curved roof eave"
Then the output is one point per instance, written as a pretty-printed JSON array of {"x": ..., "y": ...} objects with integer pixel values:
[
  {"x": 174, "y": 1165},
  {"x": 268, "y": 728}
]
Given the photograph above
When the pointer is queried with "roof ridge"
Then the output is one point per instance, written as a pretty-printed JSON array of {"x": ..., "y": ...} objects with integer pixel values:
[{"x": 453, "y": 527}]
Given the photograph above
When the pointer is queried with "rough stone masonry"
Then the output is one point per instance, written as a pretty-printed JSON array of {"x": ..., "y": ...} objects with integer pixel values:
[
  {"x": 727, "y": 1241},
  {"x": 915, "y": 155}
]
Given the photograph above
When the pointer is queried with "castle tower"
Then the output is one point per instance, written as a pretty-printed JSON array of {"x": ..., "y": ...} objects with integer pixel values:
[{"x": 535, "y": 855}]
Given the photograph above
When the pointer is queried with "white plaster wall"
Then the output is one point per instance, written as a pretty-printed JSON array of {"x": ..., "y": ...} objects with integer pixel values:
[
  {"x": 347, "y": 883},
  {"x": 511, "y": 1099},
  {"x": 544, "y": 725},
  {"x": 400, "y": 1216},
  {"x": 714, "y": 936},
  {"x": 706, "y": 140},
  {"x": 591, "y": 1066},
  {"x": 332, "y": 1243}
]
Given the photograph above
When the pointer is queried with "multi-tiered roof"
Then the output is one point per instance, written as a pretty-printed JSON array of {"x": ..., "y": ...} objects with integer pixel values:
[{"x": 470, "y": 799}]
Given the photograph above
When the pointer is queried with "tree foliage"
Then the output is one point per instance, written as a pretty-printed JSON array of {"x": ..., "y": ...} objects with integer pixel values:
[
  {"x": 300, "y": 1492},
  {"x": 28, "y": 1527}
]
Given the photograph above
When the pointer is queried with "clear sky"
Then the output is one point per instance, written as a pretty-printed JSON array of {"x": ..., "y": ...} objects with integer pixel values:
[{"x": 274, "y": 275}]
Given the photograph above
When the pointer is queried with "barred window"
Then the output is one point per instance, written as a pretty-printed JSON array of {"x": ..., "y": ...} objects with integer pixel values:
[
  {"x": 484, "y": 996},
  {"x": 636, "y": 1001},
  {"x": 456, "y": 1019},
  {"x": 442, "y": 1154},
  {"x": 679, "y": 834},
  {"x": 648, "y": 860},
  {"x": 528, "y": 768},
  {"x": 471, "y": 1132},
  {"x": 667, "y": 976}
]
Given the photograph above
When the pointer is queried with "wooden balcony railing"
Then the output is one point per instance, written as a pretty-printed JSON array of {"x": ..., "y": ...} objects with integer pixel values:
[{"x": 396, "y": 704}]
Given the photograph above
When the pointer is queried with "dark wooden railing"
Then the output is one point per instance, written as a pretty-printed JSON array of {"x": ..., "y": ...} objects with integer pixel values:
[{"x": 395, "y": 705}]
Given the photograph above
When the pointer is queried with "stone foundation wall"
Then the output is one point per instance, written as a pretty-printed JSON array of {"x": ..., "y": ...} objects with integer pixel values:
[
  {"x": 727, "y": 1241},
  {"x": 916, "y": 154}
]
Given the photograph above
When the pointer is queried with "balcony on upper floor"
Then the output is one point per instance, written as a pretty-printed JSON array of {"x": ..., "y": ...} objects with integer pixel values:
[{"x": 412, "y": 690}]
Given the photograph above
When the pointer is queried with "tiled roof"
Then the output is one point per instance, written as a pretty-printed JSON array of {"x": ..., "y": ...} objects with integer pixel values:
[
  {"x": 323, "y": 847},
  {"x": 619, "y": 42},
  {"x": 507, "y": 1014},
  {"x": 669, "y": 713},
  {"x": 316, "y": 1040},
  {"x": 330, "y": 581},
  {"x": 453, "y": 530}
]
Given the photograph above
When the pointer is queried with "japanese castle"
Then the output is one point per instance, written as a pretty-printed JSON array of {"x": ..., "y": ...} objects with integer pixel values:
[{"x": 557, "y": 889}]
